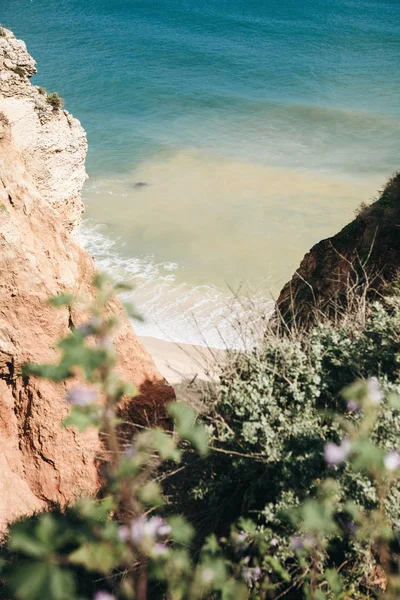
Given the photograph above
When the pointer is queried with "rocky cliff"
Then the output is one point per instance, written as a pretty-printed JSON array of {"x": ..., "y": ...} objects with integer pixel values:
[
  {"x": 42, "y": 153},
  {"x": 53, "y": 144},
  {"x": 363, "y": 258}
]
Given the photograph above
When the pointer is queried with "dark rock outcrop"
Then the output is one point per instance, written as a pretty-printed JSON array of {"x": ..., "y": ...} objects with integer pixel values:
[{"x": 363, "y": 258}]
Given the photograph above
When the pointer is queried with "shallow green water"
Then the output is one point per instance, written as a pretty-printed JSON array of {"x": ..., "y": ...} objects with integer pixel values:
[{"x": 257, "y": 125}]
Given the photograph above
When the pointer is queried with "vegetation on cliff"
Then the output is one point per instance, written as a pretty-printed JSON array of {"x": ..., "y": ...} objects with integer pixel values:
[
  {"x": 364, "y": 255},
  {"x": 293, "y": 489}
]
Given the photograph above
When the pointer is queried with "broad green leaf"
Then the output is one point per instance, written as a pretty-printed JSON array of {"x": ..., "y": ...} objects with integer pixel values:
[
  {"x": 41, "y": 581},
  {"x": 97, "y": 556},
  {"x": 182, "y": 531},
  {"x": 394, "y": 401},
  {"x": 165, "y": 445},
  {"x": 45, "y": 371},
  {"x": 211, "y": 545},
  {"x": 150, "y": 494},
  {"x": 96, "y": 510},
  {"x": 76, "y": 353},
  {"x": 278, "y": 568},
  {"x": 334, "y": 581},
  {"x": 82, "y": 417},
  {"x": 368, "y": 457},
  {"x": 185, "y": 421},
  {"x": 21, "y": 541},
  {"x": 234, "y": 590}
]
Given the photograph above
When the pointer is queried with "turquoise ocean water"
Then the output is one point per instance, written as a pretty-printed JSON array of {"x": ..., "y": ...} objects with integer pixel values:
[{"x": 257, "y": 126}]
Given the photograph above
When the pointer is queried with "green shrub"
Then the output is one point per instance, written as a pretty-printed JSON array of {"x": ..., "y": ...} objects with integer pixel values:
[
  {"x": 3, "y": 32},
  {"x": 300, "y": 496},
  {"x": 55, "y": 101},
  {"x": 271, "y": 416}
]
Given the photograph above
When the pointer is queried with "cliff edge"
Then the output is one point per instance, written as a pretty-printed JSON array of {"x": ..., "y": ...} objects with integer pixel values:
[
  {"x": 362, "y": 259},
  {"x": 53, "y": 144},
  {"x": 42, "y": 154}
]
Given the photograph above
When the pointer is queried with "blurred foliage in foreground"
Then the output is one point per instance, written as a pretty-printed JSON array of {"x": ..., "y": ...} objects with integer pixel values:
[{"x": 286, "y": 486}]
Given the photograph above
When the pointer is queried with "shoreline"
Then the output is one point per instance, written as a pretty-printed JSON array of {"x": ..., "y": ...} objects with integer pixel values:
[{"x": 183, "y": 363}]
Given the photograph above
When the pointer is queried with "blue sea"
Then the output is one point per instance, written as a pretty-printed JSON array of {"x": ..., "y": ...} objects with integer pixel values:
[{"x": 225, "y": 138}]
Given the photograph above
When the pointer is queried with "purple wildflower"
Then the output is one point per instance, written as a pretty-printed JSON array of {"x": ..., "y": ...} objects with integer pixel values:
[
  {"x": 101, "y": 595},
  {"x": 159, "y": 550},
  {"x": 274, "y": 542},
  {"x": 250, "y": 575},
  {"x": 392, "y": 461},
  {"x": 129, "y": 452},
  {"x": 374, "y": 391},
  {"x": 350, "y": 527},
  {"x": 146, "y": 531},
  {"x": 336, "y": 454},
  {"x": 92, "y": 327},
  {"x": 81, "y": 396},
  {"x": 353, "y": 406},
  {"x": 302, "y": 543},
  {"x": 241, "y": 538},
  {"x": 105, "y": 343},
  {"x": 207, "y": 575},
  {"x": 297, "y": 543}
]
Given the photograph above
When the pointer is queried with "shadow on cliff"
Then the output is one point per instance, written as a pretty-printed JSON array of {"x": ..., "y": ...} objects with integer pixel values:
[{"x": 149, "y": 408}]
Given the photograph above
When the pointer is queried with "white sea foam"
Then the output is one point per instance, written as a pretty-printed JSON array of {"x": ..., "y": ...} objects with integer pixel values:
[{"x": 178, "y": 312}]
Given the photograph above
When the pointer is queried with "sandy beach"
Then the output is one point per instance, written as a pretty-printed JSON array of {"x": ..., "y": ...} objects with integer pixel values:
[{"x": 180, "y": 363}]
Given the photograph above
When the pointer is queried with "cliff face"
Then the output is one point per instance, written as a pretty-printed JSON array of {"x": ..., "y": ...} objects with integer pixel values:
[
  {"x": 40, "y": 462},
  {"x": 365, "y": 254},
  {"x": 53, "y": 144}
]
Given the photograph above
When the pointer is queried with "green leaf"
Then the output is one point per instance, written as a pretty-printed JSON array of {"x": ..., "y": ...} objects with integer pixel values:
[
  {"x": 150, "y": 494},
  {"x": 46, "y": 371},
  {"x": 97, "y": 556},
  {"x": 82, "y": 417},
  {"x": 132, "y": 312},
  {"x": 334, "y": 581},
  {"x": 234, "y": 590},
  {"x": 211, "y": 545},
  {"x": 368, "y": 457},
  {"x": 61, "y": 300},
  {"x": 76, "y": 353},
  {"x": 278, "y": 568},
  {"x": 394, "y": 401},
  {"x": 21, "y": 541},
  {"x": 96, "y": 510},
  {"x": 182, "y": 531},
  {"x": 121, "y": 286},
  {"x": 185, "y": 419},
  {"x": 165, "y": 445},
  {"x": 36, "y": 580},
  {"x": 100, "y": 280}
]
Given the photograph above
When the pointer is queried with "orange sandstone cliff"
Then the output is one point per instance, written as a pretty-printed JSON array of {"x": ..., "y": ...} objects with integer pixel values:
[{"x": 42, "y": 155}]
